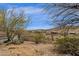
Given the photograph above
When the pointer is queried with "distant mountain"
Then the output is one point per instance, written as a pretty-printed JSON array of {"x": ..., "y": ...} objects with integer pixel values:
[{"x": 57, "y": 30}]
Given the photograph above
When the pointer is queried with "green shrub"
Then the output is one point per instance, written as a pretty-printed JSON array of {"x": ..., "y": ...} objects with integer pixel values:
[
  {"x": 68, "y": 45},
  {"x": 38, "y": 38}
]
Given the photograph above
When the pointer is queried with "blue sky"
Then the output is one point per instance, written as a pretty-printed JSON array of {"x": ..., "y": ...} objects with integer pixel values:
[{"x": 39, "y": 19}]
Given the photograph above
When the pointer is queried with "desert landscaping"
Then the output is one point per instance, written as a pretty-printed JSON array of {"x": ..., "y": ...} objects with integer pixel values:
[{"x": 39, "y": 29}]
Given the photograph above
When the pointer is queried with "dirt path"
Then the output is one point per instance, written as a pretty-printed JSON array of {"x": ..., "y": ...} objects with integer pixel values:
[{"x": 27, "y": 49}]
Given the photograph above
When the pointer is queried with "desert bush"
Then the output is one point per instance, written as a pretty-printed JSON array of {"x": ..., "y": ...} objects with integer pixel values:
[
  {"x": 17, "y": 42},
  {"x": 38, "y": 38},
  {"x": 68, "y": 45}
]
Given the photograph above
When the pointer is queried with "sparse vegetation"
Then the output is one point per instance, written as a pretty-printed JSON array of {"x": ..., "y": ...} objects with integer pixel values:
[
  {"x": 61, "y": 40},
  {"x": 12, "y": 23},
  {"x": 68, "y": 45},
  {"x": 39, "y": 37}
]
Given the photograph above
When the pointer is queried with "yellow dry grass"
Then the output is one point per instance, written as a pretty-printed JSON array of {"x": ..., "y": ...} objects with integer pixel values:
[{"x": 27, "y": 49}]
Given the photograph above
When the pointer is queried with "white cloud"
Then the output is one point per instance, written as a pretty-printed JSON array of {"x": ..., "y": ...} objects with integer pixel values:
[{"x": 29, "y": 10}]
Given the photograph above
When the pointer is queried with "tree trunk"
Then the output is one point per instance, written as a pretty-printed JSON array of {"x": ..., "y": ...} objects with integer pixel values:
[
  {"x": 8, "y": 37},
  {"x": 66, "y": 31},
  {"x": 52, "y": 36}
]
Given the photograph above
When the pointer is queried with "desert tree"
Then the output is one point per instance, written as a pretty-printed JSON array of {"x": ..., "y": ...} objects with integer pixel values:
[
  {"x": 64, "y": 15},
  {"x": 13, "y": 21}
]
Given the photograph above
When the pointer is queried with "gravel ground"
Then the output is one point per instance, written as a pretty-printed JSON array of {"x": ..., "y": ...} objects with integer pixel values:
[{"x": 27, "y": 49}]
